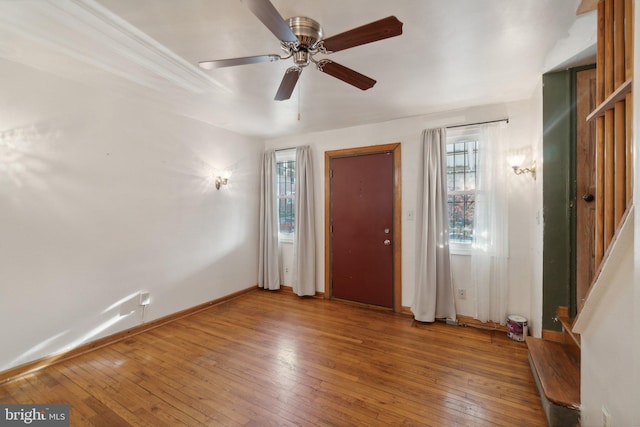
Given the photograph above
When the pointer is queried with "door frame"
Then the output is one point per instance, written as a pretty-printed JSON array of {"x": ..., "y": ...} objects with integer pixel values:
[{"x": 394, "y": 149}]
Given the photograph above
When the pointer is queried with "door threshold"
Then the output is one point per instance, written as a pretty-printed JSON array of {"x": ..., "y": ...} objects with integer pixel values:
[{"x": 363, "y": 305}]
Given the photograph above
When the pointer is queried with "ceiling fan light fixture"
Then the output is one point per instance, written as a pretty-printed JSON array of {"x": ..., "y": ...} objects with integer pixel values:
[{"x": 301, "y": 58}]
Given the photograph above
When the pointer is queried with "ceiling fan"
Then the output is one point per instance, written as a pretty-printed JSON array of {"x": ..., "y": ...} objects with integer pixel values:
[{"x": 301, "y": 38}]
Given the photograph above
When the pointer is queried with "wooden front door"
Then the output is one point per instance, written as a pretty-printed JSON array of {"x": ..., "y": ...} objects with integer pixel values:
[
  {"x": 362, "y": 228},
  {"x": 585, "y": 183}
]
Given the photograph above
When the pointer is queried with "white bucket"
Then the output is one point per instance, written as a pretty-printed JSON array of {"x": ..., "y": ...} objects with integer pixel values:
[{"x": 517, "y": 327}]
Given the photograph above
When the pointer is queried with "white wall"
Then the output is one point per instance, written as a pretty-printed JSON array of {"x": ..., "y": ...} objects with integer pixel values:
[
  {"x": 101, "y": 197},
  {"x": 524, "y": 132},
  {"x": 536, "y": 228},
  {"x": 609, "y": 361},
  {"x": 286, "y": 262}
]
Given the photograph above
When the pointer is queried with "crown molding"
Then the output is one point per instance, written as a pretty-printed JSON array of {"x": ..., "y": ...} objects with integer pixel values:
[{"x": 49, "y": 33}]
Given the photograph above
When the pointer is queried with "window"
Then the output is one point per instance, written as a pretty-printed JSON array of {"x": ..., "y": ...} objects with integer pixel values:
[
  {"x": 462, "y": 158},
  {"x": 286, "y": 176}
]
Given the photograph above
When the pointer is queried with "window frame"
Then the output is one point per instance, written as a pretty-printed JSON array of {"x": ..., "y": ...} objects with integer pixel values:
[
  {"x": 281, "y": 157},
  {"x": 459, "y": 135}
]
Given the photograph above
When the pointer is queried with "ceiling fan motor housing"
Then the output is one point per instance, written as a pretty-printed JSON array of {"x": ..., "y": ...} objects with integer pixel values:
[{"x": 308, "y": 32}]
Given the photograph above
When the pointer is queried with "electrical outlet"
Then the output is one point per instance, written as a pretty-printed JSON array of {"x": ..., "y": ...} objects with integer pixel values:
[
  {"x": 286, "y": 269},
  {"x": 145, "y": 298},
  {"x": 606, "y": 417},
  {"x": 462, "y": 293}
]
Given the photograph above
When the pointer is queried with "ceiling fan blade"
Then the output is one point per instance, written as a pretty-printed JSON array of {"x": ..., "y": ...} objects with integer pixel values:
[
  {"x": 368, "y": 33},
  {"x": 269, "y": 16},
  {"x": 231, "y": 62},
  {"x": 345, "y": 74},
  {"x": 288, "y": 83}
]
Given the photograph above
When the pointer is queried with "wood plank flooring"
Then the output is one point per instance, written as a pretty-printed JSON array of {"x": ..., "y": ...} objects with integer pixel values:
[{"x": 271, "y": 358}]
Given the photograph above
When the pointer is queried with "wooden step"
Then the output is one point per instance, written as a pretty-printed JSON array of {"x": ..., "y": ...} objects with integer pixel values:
[{"x": 558, "y": 378}]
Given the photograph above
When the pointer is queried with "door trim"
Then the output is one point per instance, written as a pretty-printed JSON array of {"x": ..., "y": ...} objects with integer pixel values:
[{"x": 394, "y": 149}]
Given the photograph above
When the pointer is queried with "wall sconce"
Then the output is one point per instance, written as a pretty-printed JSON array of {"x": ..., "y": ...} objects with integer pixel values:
[
  {"x": 220, "y": 181},
  {"x": 520, "y": 170}
]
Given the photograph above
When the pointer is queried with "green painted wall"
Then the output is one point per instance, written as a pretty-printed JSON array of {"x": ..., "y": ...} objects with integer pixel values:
[{"x": 558, "y": 148}]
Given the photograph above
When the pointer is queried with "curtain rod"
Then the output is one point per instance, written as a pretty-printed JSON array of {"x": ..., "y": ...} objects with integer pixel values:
[
  {"x": 285, "y": 149},
  {"x": 479, "y": 123}
]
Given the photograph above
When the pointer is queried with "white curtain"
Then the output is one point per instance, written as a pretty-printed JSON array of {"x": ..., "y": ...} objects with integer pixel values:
[
  {"x": 490, "y": 250},
  {"x": 433, "y": 295},
  {"x": 304, "y": 241},
  {"x": 268, "y": 263}
]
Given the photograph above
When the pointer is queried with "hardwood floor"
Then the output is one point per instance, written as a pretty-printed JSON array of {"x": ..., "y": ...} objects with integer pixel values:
[{"x": 271, "y": 358}]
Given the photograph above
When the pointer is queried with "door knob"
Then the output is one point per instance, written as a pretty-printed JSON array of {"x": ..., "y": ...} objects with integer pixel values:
[
  {"x": 588, "y": 197},
  {"x": 387, "y": 242}
]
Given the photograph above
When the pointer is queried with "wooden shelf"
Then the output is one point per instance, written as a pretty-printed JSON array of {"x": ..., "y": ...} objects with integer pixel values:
[{"x": 618, "y": 95}]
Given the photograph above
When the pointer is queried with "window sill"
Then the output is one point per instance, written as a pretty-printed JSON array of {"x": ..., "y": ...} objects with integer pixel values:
[
  {"x": 285, "y": 239},
  {"x": 461, "y": 249}
]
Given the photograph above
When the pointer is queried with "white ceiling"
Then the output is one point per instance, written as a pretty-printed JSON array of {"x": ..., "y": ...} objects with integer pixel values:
[{"x": 453, "y": 54}]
